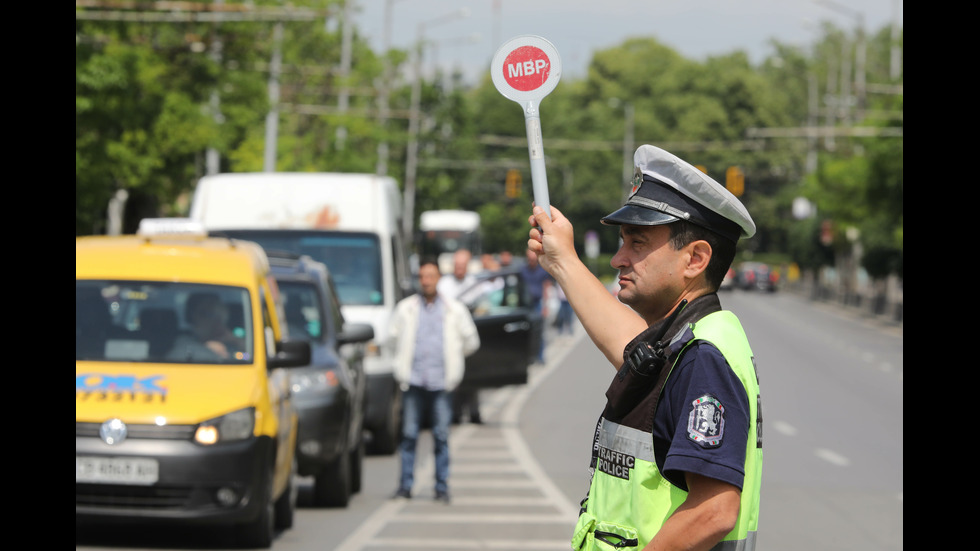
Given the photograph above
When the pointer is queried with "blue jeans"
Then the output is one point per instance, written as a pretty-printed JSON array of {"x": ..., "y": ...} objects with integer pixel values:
[
  {"x": 538, "y": 306},
  {"x": 417, "y": 403},
  {"x": 563, "y": 319}
]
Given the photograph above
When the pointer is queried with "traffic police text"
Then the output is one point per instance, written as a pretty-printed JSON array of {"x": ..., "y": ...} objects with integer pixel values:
[{"x": 614, "y": 463}]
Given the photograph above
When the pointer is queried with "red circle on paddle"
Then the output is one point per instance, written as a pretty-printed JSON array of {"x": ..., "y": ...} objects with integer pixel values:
[{"x": 526, "y": 68}]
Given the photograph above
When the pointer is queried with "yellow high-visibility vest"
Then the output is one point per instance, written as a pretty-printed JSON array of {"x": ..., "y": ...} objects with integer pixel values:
[{"x": 626, "y": 509}]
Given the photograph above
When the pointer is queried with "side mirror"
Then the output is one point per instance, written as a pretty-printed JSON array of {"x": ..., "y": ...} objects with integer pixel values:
[
  {"x": 355, "y": 332},
  {"x": 293, "y": 353}
]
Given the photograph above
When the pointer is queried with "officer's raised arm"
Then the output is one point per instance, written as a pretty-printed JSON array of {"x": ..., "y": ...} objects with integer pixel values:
[{"x": 609, "y": 323}]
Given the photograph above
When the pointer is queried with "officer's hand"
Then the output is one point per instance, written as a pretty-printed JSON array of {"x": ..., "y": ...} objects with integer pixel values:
[{"x": 551, "y": 239}]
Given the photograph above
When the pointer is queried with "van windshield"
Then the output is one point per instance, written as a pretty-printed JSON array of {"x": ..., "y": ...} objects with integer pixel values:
[
  {"x": 143, "y": 321},
  {"x": 353, "y": 258}
]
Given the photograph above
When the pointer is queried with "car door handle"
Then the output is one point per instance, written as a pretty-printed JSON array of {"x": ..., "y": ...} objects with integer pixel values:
[{"x": 515, "y": 326}]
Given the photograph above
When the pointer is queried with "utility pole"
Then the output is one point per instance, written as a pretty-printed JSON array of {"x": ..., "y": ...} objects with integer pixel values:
[
  {"x": 860, "y": 60},
  {"x": 212, "y": 160},
  {"x": 381, "y": 166},
  {"x": 896, "y": 54},
  {"x": 272, "y": 118},
  {"x": 345, "y": 60},
  {"x": 628, "y": 147},
  {"x": 411, "y": 155}
]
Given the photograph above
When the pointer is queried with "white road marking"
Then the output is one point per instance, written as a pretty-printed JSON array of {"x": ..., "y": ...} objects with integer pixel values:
[
  {"x": 832, "y": 457},
  {"x": 467, "y": 442},
  {"x": 783, "y": 427}
]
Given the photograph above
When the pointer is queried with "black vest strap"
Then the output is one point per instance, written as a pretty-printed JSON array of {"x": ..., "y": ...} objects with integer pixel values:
[{"x": 659, "y": 344}]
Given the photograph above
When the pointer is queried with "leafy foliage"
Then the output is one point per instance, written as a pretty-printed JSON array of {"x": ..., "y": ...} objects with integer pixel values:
[{"x": 152, "y": 99}]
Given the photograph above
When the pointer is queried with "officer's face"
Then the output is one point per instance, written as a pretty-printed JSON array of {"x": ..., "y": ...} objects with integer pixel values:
[{"x": 650, "y": 270}]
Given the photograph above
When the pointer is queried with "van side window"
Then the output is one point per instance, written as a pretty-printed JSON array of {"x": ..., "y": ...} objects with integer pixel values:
[
  {"x": 305, "y": 318},
  {"x": 267, "y": 332}
]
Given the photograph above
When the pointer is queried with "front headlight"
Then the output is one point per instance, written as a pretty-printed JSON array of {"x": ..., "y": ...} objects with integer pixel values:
[
  {"x": 237, "y": 425},
  {"x": 312, "y": 381}
]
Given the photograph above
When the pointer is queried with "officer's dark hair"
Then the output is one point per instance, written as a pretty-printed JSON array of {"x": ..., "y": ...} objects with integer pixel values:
[{"x": 683, "y": 232}]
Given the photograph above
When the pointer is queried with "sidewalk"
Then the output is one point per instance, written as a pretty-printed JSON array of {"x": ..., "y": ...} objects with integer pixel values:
[{"x": 887, "y": 314}]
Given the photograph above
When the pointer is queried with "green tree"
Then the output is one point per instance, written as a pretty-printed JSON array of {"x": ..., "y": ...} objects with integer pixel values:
[
  {"x": 858, "y": 182},
  {"x": 145, "y": 117},
  {"x": 138, "y": 122}
]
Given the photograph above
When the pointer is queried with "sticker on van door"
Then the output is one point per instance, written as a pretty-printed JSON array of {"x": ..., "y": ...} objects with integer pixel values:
[
  {"x": 102, "y": 386},
  {"x": 326, "y": 217}
]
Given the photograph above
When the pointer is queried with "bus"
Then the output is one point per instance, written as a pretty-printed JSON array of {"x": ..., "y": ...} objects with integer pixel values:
[{"x": 442, "y": 232}]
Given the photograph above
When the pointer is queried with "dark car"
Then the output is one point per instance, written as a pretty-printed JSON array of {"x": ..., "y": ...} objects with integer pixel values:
[
  {"x": 728, "y": 283},
  {"x": 756, "y": 276},
  {"x": 329, "y": 394},
  {"x": 510, "y": 330}
]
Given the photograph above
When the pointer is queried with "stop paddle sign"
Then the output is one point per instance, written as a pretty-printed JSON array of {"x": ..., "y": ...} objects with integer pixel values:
[{"x": 526, "y": 69}]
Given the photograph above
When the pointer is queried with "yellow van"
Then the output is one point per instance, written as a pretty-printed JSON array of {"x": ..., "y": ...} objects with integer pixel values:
[{"x": 182, "y": 408}]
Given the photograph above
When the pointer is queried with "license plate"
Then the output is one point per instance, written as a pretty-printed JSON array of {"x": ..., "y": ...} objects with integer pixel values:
[{"x": 116, "y": 470}]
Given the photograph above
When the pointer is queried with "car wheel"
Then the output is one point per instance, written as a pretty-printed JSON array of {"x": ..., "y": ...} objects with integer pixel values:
[
  {"x": 285, "y": 509},
  {"x": 384, "y": 441},
  {"x": 332, "y": 486},
  {"x": 258, "y": 533}
]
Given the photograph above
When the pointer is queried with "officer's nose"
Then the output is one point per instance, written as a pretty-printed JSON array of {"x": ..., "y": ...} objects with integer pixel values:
[{"x": 618, "y": 260}]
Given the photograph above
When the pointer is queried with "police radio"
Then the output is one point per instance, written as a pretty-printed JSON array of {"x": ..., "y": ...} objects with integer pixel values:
[{"x": 646, "y": 360}]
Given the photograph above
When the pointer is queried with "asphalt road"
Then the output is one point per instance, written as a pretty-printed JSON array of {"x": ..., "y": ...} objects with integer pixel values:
[{"x": 832, "y": 387}]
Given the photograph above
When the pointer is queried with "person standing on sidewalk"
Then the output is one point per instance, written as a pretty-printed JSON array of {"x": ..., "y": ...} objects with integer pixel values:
[
  {"x": 564, "y": 316},
  {"x": 431, "y": 335},
  {"x": 538, "y": 283},
  {"x": 452, "y": 285}
]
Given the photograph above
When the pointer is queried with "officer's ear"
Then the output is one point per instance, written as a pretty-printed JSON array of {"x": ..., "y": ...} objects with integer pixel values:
[{"x": 699, "y": 255}]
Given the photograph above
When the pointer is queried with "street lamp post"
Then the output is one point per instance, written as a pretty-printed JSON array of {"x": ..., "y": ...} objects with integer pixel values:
[
  {"x": 468, "y": 39},
  {"x": 411, "y": 156}
]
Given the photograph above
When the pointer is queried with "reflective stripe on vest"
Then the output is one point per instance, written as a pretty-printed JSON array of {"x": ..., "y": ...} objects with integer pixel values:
[{"x": 629, "y": 499}]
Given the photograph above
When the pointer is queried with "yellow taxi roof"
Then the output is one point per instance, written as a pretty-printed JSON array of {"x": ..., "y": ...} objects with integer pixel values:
[{"x": 173, "y": 258}]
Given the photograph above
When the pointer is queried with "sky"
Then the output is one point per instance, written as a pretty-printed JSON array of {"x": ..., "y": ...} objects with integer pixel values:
[{"x": 694, "y": 28}]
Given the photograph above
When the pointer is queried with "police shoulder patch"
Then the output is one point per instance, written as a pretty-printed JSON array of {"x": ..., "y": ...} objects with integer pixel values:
[{"x": 706, "y": 422}]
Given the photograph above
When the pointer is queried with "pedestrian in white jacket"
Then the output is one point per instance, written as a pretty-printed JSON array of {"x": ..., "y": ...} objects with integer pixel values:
[{"x": 432, "y": 335}]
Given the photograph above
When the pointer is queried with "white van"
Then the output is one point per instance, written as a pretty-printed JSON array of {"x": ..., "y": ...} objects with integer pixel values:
[{"x": 350, "y": 222}]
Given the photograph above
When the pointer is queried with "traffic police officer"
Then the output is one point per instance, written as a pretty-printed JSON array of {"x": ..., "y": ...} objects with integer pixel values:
[{"x": 677, "y": 452}]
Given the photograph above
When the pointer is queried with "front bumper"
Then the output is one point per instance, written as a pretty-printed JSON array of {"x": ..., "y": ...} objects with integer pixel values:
[
  {"x": 324, "y": 429},
  {"x": 381, "y": 390},
  {"x": 190, "y": 479}
]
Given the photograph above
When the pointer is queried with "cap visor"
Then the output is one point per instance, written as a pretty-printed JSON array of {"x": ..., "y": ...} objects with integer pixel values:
[{"x": 638, "y": 216}]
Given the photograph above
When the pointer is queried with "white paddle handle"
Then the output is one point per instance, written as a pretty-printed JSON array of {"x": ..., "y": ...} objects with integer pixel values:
[{"x": 535, "y": 150}]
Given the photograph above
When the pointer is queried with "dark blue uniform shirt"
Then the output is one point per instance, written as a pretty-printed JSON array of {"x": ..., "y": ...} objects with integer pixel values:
[{"x": 701, "y": 422}]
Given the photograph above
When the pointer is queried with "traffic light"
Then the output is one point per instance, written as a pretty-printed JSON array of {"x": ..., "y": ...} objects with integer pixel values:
[
  {"x": 512, "y": 185},
  {"x": 735, "y": 181}
]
